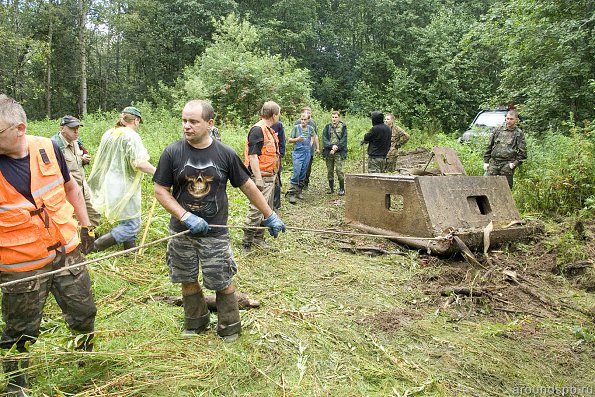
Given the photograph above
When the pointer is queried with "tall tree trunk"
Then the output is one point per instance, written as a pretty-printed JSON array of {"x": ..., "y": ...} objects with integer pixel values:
[
  {"x": 83, "y": 9},
  {"x": 49, "y": 63}
]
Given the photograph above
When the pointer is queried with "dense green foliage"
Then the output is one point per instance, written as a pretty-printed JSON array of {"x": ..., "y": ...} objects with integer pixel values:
[
  {"x": 434, "y": 63},
  {"x": 238, "y": 78}
]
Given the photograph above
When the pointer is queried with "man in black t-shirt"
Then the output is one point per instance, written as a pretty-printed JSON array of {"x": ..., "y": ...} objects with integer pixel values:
[{"x": 190, "y": 183}]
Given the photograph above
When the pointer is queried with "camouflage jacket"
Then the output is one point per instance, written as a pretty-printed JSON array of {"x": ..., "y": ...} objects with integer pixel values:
[
  {"x": 398, "y": 138},
  {"x": 506, "y": 145}
]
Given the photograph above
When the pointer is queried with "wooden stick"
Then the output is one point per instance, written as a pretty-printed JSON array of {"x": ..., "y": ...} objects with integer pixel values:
[{"x": 149, "y": 218}]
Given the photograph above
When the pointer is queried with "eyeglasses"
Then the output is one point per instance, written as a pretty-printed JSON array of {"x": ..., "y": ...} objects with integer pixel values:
[{"x": 8, "y": 128}]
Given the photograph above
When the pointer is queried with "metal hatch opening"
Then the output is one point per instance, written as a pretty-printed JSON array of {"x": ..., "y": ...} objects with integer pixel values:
[
  {"x": 479, "y": 203},
  {"x": 393, "y": 202}
]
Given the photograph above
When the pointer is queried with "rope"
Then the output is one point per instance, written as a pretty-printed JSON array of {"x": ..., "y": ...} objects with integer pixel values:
[
  {"x": 115, "y": 254},
  {"x": 142, "y": 246}
]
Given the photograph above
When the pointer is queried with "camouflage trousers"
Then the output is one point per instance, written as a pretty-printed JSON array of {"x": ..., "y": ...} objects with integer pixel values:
[
  {"x": 391, "y": 162},
  {"x": 376, "y": 164},
  {"x": 255, "y": 217},
  {"x": 213, "y": 253},
  {"x": 334, "y": 164},
  {"x": 94, "y": 216},
  {"x": 22, "y": 303},
  {"x": 501, "y": 168}
]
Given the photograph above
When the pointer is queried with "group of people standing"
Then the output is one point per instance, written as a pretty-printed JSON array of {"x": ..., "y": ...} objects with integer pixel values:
[
  {"x": 45, "y": 227},
  {"x": 384, "y": 140}
]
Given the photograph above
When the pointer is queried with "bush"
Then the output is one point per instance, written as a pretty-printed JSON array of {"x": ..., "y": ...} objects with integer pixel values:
[
  {"x": 238, "y": 78},
  {"x": 558, "y": 176}
]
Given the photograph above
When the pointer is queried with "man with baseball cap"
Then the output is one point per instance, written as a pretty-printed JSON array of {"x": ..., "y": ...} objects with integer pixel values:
[{"x": 76, "y": 156}]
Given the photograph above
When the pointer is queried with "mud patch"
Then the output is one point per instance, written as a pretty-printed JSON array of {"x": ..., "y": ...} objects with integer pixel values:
[
  {"x": 519, "y": 279},
  {"x": 417, "y": 158},
  {"x": 391, "y": 320}
]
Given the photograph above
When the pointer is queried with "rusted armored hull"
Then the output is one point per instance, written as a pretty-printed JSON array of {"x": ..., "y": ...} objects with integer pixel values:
[{"x": 425, "y": 211}]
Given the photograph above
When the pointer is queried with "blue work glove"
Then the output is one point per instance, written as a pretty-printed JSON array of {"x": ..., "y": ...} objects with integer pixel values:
[
  {"x": 275, "y": 224},
  {"x": 196, "y": 224}
]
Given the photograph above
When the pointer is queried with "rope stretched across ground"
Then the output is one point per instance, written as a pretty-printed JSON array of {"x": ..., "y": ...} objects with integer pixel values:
[{"x": 127, "y": 251}]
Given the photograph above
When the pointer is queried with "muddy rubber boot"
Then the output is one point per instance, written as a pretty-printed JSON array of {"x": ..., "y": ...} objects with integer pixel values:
[
  {"x": 331, "y": 187},
  {"x": 248, "y": 239},
  {"x": 259, "y": 239},
  {"x": 292, "y": 194},
  {"x": 229, "y": 324},
  {"x": 341, "y": 191},
  {"x": 15, "y": 370},
  {"x": 129, "y": 244},
  {"x": 196, "y": 314},
  {"x": 300, "y": 190},
  {"x": 104, "y": 242}
]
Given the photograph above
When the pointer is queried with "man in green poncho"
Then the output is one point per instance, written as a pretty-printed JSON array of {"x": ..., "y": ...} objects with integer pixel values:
[{"x": 115, "y": 180}]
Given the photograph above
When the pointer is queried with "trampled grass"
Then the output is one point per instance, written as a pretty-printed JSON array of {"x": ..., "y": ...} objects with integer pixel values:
[{"x": 331, "y": 323}]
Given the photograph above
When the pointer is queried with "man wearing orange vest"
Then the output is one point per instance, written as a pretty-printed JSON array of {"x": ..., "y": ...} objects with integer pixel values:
[
  {"x": 38, "y": 234},
  {"x": 262, "y": 157}
]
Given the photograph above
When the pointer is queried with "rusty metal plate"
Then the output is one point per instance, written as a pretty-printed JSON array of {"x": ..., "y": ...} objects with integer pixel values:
[
  {"x": 417, "y": 207},
  {"x": 448, "y": 161}
]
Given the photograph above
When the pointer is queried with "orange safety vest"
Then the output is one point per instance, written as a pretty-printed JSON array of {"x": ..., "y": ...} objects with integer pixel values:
[
  {"x": 268, "y": 160},
  {"x": 32, "y": 235}
]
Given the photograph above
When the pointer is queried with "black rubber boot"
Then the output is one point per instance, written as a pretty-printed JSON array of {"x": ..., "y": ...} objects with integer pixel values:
[
  {"x": 341, "y": 191},
  {"x": 196, "y": 314},
  {"x": 129, "y": 244},
  {"x": 229, "y": 324},
  {"x": 331, "y": 186},
  {"x": 104, "y": 242},
  {"x": 15, "y": 370}
]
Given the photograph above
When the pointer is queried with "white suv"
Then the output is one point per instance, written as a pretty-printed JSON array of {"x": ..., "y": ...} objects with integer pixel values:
[{"x": 484, "y": 124}]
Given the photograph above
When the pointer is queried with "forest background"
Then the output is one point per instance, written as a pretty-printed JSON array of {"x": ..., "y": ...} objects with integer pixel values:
[{"x": 433, "y": 63}]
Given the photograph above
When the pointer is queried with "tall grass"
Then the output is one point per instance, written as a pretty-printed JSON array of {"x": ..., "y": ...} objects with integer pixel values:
[{"x": 324, "y": 326}]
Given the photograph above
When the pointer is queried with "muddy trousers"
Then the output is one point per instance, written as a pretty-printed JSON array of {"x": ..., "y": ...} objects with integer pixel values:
[
  {"x": 255, "y": 217},
  {"x": 501, "y": 168},
  {"x": 334, "y": 165},
  {"x": 22, "y": 307},
  {"x": 22, "y": 303},
  {"x": 376, "y": 164}
]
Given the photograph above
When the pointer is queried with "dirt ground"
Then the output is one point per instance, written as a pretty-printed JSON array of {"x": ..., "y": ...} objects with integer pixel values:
[{"x": 529, "y": 277}]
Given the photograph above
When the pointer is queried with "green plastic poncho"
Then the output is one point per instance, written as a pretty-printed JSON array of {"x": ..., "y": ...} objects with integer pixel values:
[{"x": 115, "y": 182}]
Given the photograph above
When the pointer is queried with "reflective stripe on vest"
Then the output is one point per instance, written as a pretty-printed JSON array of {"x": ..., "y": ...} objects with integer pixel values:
[
  {"x": 31, "y": 233},
  {"x": 268, "y": 160}
]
